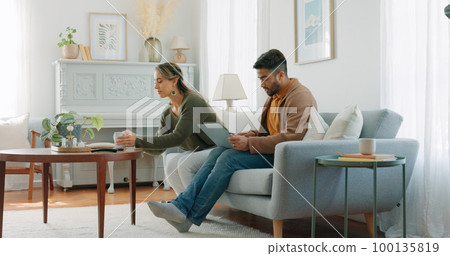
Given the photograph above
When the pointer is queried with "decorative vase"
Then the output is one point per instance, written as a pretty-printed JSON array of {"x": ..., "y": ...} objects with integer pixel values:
[
  {"x": 154, "y": 48},
  {"x": 70, "y": 51}
]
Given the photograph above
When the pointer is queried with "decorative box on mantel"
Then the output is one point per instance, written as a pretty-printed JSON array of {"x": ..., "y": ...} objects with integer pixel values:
[{"x": 109, "y": 88}]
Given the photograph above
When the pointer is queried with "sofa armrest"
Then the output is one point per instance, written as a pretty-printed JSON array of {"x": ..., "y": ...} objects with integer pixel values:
[
  {"x": 169, "y": 151},
  {"x": 292, "y": 184}
]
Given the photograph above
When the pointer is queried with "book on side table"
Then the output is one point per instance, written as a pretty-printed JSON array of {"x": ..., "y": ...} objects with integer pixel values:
[{"x": 367, "y": 158}]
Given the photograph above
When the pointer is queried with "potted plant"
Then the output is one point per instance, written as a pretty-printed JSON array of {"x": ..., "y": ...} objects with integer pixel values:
[
  {"x": 447, "y": 11},
  {"x": 65, "y": 125},
  {"x": 69, "y": 47}
]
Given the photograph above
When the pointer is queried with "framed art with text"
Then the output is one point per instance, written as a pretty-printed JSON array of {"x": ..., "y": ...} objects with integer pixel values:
[
  {"x": 108, "y": 36},
  {"x": 314, "y": 33}
]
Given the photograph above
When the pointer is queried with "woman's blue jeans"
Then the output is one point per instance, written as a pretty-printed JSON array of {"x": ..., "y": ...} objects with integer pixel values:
[{"x": 212, "y": 180}]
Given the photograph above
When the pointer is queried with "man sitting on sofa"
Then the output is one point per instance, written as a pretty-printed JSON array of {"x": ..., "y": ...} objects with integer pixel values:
[{"x": 283, "y": 119}]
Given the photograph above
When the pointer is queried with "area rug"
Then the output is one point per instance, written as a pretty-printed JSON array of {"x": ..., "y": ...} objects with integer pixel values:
[{"x": 82, "y": 222}]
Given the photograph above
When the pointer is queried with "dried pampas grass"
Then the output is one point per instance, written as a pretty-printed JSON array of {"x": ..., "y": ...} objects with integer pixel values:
[{"x": 154, "y": 15}]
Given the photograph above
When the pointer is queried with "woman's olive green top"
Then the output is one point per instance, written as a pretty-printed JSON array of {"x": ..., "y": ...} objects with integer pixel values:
[{"x": 181, "y": 131}]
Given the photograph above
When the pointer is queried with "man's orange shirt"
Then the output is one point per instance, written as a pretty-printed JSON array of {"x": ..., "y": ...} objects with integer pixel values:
[{"x": 273, "y": 122}]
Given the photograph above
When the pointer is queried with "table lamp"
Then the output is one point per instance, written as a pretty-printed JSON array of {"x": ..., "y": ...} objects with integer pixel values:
[
  {"x": 229, "y": 88},
  {"x": 179, "y": 44}
]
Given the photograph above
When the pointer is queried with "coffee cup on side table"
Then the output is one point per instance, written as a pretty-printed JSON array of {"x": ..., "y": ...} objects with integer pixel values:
[{"x": 367, "y": 146}]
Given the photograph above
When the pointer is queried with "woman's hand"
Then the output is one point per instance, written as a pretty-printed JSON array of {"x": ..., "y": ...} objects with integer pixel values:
[{"x": 126, "y": 140}]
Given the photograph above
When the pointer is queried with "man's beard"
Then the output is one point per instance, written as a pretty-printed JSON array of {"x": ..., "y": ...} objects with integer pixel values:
[{"x": 275, "y": 87}]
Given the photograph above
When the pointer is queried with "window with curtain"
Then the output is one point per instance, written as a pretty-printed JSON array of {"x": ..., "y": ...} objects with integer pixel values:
[
  {"x": 229, "y": 45},
  {"x": 415, "y": 43},
  {"x": 14, "y": 26}
]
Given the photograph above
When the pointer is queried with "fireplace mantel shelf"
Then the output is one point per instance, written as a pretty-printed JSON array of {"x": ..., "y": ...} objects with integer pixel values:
[{"x": 121, "y": 63}]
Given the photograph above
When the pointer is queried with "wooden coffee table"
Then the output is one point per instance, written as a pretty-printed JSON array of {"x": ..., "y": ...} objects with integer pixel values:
[{"x": 46, "y": 156}]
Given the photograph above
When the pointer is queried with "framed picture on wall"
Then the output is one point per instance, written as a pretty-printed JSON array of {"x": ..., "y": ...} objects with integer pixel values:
[
  {"x": 108, "y": 36},
  {"x": 314, "y": 33}
]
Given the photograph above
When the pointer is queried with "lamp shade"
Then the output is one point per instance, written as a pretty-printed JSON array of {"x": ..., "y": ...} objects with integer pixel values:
[
  {"x": 179, "y": 42},
  {"x": 229, "y": 87}
]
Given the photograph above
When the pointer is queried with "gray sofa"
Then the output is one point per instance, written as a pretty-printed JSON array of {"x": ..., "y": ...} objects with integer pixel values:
[{"x": 285, "y": 191}]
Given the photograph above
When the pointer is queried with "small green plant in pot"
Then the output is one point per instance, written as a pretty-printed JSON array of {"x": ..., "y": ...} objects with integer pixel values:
[
  {"x": 65, "y": 125},
  {"x": 447, "y": 11},
  {"x": 69, "y": 47}
]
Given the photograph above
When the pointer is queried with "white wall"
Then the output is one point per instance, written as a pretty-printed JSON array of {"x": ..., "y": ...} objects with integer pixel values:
[
  {"x": 353, "y": 77},
  {"x": 50, "y": 17}
]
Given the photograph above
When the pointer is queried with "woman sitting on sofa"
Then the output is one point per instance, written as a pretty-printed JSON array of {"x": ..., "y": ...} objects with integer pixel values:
[{"x": 176, "y": 124}]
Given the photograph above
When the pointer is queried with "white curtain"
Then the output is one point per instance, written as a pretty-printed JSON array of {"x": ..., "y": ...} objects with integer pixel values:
[
  {"x": 229, "y": 45},
  {"x": 14, "y": 61},
  {"x": 14, "y": 68},
  {"x": 415, "y": 38},
  {"x": 263, "y": 44}
]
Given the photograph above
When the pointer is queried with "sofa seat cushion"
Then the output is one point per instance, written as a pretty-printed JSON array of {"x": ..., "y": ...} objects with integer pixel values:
[
  {"x": 251, "y": 182},
  {"x": 169, "y": 158}
]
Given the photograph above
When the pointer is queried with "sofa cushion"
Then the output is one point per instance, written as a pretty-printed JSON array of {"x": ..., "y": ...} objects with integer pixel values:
[
  {"x": 14, "y": 132},
  {"x": 169, "y": 158},
  {"x": 251, "y": 182},
  {"x": 380, "y": 124},
  {"x": 347, "y": 125},
  {"x": 317, "y": 127}
]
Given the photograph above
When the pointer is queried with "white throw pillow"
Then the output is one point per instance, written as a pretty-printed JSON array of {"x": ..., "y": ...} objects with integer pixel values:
[
  {"x": 317, "y": 127},
  {"x": 347, "y": 125},
  {"x": 14, "y": 132}
]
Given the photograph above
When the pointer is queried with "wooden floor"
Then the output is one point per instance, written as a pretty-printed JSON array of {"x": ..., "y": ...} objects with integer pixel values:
[{"x": 17, "y": 200}]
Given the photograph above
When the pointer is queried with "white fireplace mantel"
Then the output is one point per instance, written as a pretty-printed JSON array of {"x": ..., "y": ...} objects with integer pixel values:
[{"x": 110, "y": 88}]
